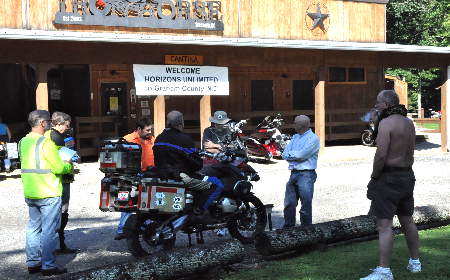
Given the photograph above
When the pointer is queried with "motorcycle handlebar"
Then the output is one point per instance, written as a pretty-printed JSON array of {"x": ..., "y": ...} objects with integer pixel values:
[{"x": 224, "y": 156}]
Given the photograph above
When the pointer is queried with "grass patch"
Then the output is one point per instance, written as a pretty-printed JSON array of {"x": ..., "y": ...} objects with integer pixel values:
[
  {"x": 431, "y": 126},
  {"x": 353, "y": 261}
]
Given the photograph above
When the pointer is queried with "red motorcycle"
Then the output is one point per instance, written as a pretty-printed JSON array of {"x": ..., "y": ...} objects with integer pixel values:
[{"x": 267, "y": 141}]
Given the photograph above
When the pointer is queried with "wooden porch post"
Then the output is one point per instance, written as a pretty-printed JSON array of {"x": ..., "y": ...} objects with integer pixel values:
[
  {"x": 42, "y": 88},
  {"x": 159, "y": 114},
  {"x": 319, "y": 107},
  {"x": 445, "y": 120},
  {"x": 205, "y": 113}
]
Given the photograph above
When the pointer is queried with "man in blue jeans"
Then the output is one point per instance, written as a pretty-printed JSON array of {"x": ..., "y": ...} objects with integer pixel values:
[
  {"x": 42, "y": 168},
  {"x": 301, "y": 154}
]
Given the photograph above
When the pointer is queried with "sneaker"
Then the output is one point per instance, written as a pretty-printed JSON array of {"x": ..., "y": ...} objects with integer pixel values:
[
  {"x": 34, "y": 269},
  {"x": 414, "y": 267},
  {"x": 54, "y": 271},
  {"x": 379, "y": 274}
]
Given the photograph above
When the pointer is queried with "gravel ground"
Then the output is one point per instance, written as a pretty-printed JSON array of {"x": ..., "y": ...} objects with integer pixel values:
[{"x": 340, "y": 189}]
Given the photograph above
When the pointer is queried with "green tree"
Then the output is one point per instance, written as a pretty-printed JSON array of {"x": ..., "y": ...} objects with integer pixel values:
[{"x": 419, "y": 22}]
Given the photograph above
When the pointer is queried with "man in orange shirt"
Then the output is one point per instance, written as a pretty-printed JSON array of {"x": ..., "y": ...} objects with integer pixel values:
[{"x": 143, "y": 135}]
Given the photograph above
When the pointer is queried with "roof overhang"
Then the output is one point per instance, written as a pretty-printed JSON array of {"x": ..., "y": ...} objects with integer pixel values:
[{"x": 104, "y": 37}]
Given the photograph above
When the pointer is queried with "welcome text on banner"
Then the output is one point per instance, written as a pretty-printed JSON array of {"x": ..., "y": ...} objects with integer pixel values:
[{"x": 180, "y": 80}]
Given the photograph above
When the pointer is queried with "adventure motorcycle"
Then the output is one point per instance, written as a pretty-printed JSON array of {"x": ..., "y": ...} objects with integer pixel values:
[
  {"x": 267, "y": 141},
  {"x": 9, "y": 157},
  {"x": 162, "y": 206}
]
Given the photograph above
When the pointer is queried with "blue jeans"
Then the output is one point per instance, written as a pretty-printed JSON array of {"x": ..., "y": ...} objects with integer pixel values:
[
  {"x": 300, "y": 186},
  {"x": 218, "y": 188},
  {"x": 123, "y": 219},
  {"x": 42, "y": 231}
]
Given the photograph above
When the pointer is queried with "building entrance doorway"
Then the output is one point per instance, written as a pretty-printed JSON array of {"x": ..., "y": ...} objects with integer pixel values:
[
  {"x": 68, "y": 90},
  {"x": 114, "y": 103}
]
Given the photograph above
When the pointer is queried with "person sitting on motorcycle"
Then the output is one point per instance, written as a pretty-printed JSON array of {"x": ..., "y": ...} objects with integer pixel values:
[
  {"x": 176, "y": 157},
  {"x": 214, "y": 136}
]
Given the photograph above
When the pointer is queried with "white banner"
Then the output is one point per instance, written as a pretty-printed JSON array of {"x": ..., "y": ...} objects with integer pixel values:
[{"x": 180, "y": 80}]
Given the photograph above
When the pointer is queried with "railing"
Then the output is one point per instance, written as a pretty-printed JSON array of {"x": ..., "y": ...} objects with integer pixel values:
[{"x": 424, "y": 121}]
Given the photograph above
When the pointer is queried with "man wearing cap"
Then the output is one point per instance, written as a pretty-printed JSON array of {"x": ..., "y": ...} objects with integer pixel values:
[
  {"x": 301, "y": 154},
  {"x": 214, "y": 136}
]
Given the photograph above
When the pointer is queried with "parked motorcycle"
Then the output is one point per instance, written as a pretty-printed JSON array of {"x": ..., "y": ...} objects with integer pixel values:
[
  {"x": 368, "y": 134},
  {"x": 162, "y": 206},
  {"x": 9, "y": 157},
  {"x": 267, "y": 141}
]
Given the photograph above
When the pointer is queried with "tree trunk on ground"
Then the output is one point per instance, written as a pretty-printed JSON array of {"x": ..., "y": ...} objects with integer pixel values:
[
  {"x": 167, "y": 266},
  {"x": 280, "y": 241}
]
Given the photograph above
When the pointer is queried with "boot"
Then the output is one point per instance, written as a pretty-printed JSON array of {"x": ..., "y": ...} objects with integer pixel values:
[{"x": 63, "y": 249}]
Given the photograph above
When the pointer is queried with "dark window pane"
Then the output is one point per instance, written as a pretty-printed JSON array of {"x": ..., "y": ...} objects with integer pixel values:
[
  {"x": 303, "y": 95},
  {"x": 262, "y": 95},
  {"x": 356, "y": 75},
  {"x": 337, "y": 74}
]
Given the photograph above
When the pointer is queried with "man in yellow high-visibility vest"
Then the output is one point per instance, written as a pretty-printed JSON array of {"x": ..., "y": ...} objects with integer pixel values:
[{"x": 42, "y": 168}]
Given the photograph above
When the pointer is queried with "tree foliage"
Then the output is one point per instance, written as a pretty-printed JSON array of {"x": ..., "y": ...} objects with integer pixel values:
[{"x": 419, "y": 22}]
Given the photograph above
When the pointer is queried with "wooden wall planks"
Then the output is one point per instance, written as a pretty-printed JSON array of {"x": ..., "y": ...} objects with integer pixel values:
[{"x": 276, "y": 19}]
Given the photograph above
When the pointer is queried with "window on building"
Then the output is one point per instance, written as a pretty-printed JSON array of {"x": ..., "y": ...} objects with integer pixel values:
[
  {"x": 262, "y": 95},
  {"x": 303, "y": 95},
  {"x": 356, "y": 75},
  {"x": 337, "y": 74},
  {"x": 347, "y": 75}
]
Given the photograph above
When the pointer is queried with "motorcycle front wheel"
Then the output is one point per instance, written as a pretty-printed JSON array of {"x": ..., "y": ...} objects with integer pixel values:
[
  {"x": 253, "y": 220},
  {"x": 137, "y": 243},
  {"x": 367, "y": 138}
]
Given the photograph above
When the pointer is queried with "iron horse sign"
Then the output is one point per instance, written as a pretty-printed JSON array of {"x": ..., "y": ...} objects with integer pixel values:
[{"x": 172, "y": 14}]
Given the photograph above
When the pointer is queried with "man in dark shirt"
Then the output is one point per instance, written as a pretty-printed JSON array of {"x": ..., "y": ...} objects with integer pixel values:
[
  {"x": 392, "y": 183},
  {"x": 214, "y": 136},
  {"x": 176, "y": 158}
]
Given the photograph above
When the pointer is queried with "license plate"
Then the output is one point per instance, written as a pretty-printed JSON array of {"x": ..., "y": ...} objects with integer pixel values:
[{"x": 122, "y": 196}]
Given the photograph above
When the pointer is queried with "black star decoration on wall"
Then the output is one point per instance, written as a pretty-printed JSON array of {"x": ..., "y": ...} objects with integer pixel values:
[{"x": 318, "y": 18}]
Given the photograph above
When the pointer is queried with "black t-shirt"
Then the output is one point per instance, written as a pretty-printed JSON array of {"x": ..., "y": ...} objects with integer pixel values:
[{"x": 174, "y": 153}]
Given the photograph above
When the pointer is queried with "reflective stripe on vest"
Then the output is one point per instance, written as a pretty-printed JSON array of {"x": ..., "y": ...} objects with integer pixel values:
[{"x": 37, "y": 157}]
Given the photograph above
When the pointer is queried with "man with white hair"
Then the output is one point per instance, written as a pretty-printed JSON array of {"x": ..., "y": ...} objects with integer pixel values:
[
  {"x": 301, "y": 153},
  {"x": 392, "y": 183},
  {"x": 176, "y": 158}
]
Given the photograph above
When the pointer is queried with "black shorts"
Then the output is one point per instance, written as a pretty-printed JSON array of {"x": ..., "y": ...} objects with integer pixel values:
[{"x": 393, "y": 195}]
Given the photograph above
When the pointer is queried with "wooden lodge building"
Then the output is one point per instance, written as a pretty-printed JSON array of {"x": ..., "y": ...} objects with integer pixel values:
[{"x": 323, "y": 58}]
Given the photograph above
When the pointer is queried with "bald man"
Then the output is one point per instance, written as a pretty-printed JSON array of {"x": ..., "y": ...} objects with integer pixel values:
[
  {"x": 301, "y": 153},
  {"x": 392, "y": 183}
]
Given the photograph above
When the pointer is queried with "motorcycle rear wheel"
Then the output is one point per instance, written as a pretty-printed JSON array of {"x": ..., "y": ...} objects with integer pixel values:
[
  {"x": 367, "y": 138},
  {"x": 245, "y": 226},
  {"x": 136, "y": 243}
]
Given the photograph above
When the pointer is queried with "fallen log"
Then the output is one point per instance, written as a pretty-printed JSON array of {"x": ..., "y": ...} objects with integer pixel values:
[
  {"x": 170, "y": 265},
  {"x": 296, "y": 238}
]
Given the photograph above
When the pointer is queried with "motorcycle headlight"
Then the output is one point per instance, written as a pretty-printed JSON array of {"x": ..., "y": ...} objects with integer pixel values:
[{"x": 242, "y": 188}]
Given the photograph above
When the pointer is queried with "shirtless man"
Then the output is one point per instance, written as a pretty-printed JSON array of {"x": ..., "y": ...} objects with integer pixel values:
[{"x": 392, "y": 184}]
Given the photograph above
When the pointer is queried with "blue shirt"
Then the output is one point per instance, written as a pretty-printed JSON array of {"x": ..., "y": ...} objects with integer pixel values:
[
  {"x": 302, "y": 152},
  {"x": 3, "y": 130}
]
